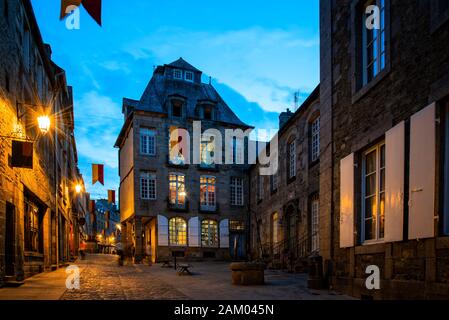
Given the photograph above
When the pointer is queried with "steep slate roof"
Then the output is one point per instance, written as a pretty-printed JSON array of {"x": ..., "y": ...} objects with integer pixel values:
[{"x": 161, "y": 88}]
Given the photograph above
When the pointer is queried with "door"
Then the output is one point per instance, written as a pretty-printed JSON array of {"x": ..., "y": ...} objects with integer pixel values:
[
  {"x": 238, "y": 245},
  {"x": 10, "y": 254}
]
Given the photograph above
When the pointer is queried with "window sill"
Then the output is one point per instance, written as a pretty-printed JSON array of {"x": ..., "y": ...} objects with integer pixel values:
[
  {"x": 358, "y": 94},
  {"x": 291, "y": 180},
  {"x": 314, "y": 163},
  {"x": 178, "y": 166},
  {"x": 206, "y": 168},
  {"x": 237, "y": 206}
]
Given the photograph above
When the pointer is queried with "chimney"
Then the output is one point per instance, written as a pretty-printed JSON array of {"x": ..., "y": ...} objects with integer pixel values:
[{"x": 284, "y": 117}]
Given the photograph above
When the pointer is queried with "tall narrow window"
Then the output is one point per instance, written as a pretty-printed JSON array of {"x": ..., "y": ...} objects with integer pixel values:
[
  {"x": 291, "y": 159},
  {"x": 207, "y": 193},
  {"x": 275, "y": 232},
  {"x": 314, "y": 227},
  {"x": 189, "y": 76},
  {"x": 147, "y": 141},
  {"x": 238, "y": 151},
  {"x": 274, "y": 182},
  {"x": 209, "y": 233},
  {"x": 446, "y": 169},
  {"x": 373, "y": 43},
  {"x": 178, "y": 232},
  {"x": 237, "y": 191},
  {"x": 177, "y": 190},
  {"x": 147, "y": 186},
  {"x": 315, "y": 139},
  {"x": 176, "y": 109},
  {"x": 373, "y": 190},
  {"x": 207, "y": 151},
  {"x": 32, "y": 224}
]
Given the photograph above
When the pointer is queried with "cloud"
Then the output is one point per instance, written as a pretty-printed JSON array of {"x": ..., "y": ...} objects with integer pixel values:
[
  {"x": 98, "y": 122},
  {"x": 252, "y": 61}
]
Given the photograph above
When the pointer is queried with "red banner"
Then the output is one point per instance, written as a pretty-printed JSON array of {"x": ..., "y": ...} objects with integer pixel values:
[
  {"x": 111, "y": 196},
  {"x": 97, "y": 173}
]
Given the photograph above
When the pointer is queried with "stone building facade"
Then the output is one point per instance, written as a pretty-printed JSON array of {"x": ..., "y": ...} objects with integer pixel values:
[
  {"x": 176, "y": 199},
  {"x": 285, "y": 206},
  {"x": 384, "y": 147},
  {"x": 38, "y": 228}
]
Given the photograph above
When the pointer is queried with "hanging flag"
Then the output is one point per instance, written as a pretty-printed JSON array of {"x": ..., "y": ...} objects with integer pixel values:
[
  {"x": 92, "y": 206},
  {"x": 111, "y": 196},
  {"x": 22, "y": 154},
  {"x": 93, "y": 7},
  {"x": 97, "y": 173}
]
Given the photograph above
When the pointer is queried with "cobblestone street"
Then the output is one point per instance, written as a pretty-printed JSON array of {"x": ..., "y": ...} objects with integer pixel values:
[{"x": 102, "y": 279}]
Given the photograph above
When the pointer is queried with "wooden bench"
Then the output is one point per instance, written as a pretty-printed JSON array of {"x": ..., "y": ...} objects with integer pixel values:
[{"x": 183, "y": 269}]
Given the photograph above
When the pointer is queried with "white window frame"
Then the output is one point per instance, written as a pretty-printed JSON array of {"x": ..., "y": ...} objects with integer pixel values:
[
  {"x": 237, "y": 191},
  {"x": 179, "y": 184},
  {"x": 177, "y": 74},
  {"x": 189, "y": 73},
  {"x": 174, "y": 233},
  {"x": 208, "y": 205},
  {"x": 210, "y": 236},
  {"x": 147, "y": 141},
  {"x": 238, "y": 151},
  {"x": 315, "y": 139},
  {"x": 379, "y": 43},
  {"x": 292, "y": 159},
  {"x": 148, "y": 186},
  {"x": 376, "y": 237}
]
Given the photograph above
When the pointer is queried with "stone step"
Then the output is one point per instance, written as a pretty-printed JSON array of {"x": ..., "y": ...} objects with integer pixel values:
[{"x": 10, "y": 281}]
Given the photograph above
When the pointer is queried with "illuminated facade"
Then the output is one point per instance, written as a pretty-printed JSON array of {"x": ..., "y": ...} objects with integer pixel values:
[{"x": 170, "y": 206}]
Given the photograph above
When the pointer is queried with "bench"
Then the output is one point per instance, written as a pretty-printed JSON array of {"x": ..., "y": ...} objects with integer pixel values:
[{"x": 183, "y": 269}]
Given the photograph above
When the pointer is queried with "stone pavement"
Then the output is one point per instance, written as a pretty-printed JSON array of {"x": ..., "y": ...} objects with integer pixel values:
[{"x": 102, "y": 279}]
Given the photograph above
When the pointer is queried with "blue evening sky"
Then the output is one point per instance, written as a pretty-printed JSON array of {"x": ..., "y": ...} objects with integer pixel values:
[{"x": 258, "y": 54}]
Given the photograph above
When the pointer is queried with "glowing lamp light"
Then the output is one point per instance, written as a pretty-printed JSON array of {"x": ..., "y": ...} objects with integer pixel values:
[
  {"x": 183, "y": 194},
  {"x": 44, "y": 124},
  {"x": 78, "y": 188}
]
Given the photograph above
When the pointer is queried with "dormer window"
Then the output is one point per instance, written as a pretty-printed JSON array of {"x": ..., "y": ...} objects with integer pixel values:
[
  {"x": 177, "y": 74},
  {"x": 176, "y": 109},
  {"x": 207, "y": 113},
  {"x": 189, "y": 76}
]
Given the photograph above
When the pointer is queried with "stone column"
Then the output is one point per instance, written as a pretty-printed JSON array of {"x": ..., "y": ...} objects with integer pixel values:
[{"x": 139, "y": 248}]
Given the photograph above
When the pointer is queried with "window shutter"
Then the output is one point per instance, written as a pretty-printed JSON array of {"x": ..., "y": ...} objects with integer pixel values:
[
  {"x": 347, "y": 202},
  {"x": 194, "y": 232},
  {"x": 394, "y": 183},
  {"x": 162, "y": 229},
  {"x": 224, "y": 233},
  {"x": 422, "y": 174}
]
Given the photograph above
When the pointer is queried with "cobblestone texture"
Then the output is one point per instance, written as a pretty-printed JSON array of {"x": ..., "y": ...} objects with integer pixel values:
[{"x": 102, "y": 279}]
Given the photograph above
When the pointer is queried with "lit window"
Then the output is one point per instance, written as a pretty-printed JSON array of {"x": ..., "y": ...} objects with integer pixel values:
[
  {"x": 147, "y": 186},
  {"x": 209, "y": 233},
  {"x": 315, "y": 211},
  {"x": 147, "y": 141},
  {"x": 178, "y": 232},
  {"x": 177, "y": 190},
  {"x": 236, "y": 225},
  {"x": 315, "y": 139},
  {"x": 189, "y": 76},
  {"x": 373, "y": 200},
  {"x": 32, "y": 227},
  {"x": 207, "y": 193},
  {"x": 177, "y": 74},
  {"x": 208, "y": 151},
  {"x": 237, "y": 191},
  {"x": 275, "y": 230},
  {"x": 292, "y": 160},
  {"x": 373, "y": 44}
]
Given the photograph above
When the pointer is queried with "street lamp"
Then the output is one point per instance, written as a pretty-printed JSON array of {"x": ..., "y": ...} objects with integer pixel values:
[
  {"x": 44, "y": 123},
  {"x": 78, "y": 188}
]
